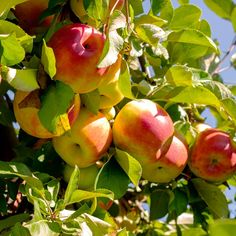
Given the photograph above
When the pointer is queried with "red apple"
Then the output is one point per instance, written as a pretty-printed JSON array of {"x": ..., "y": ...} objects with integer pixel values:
[
  {"x": 144, "y": 130},
  {"x": 28, "y": 14},
  {"x": 28, "y": 119},
  {"x": 78, "y": 48},
  {"x": 170, "y": 165},
  {"x": 213, "y": 155},
  {"x": 88, "y": 140}
]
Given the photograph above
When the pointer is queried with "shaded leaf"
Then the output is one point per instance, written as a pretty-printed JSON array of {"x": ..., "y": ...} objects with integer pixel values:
[
  {"x": 91, "y": 100},
  {"x": 213, "y": 197},
  {"x": 114, "y": 178},
  {"x": 159, "y": 206}
]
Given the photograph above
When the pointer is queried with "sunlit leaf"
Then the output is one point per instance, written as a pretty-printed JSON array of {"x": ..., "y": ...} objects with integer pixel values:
[{"x": 130, "y": 165}]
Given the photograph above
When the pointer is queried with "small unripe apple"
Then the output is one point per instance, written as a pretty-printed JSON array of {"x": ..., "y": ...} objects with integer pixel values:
[
  {"x": 87, "y": 176},
  {"x": 170, "y": 165},
  {"x": 213, "y": 155},
  {"x": 86, "y": 142},
  {"x": 144, "y": 130},
  {"x": 28, "y": 14},
  {"x": 109, "y": 113},
  {"x": 28, "y": 119},
  {"x": 78, "y": 48}
]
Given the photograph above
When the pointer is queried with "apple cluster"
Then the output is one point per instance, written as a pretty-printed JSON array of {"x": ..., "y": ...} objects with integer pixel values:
[{"x": 142, "y": 128}]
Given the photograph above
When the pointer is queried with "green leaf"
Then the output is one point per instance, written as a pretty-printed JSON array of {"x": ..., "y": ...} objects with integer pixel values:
[
  {"x": 233, "y": 18},
  {"x": 149, "y": 19},
  {"x": 95, "y": 226},
  {"x": 221, "y": 8},
  {"x": 72, "y": 185},
  {"x": 183, "y": 1},
  {"x": 48, "y": 60},
  {"x": 12, "y": 220},
  {"x": 164, "y": 7},
  {"x": 19, "y": 230},
  {"x": 179, "y": 75},
  {"x": 185, "y": 16},
  {"x": 25, "y": 40},
  {"x": 130, "y": 165},
  {"x": 193, "y": 37},
  {"x": 124, "y": 81},
  {"x": 55, "y": 103},
  {"x": 179, "y": 203},
  {"x": 113, "y": 177},
  {"x": 137, "y": 6},
  {"x": 81, "y": 195},
  {"x": 159, "y": 206},
  {"x": 229, "y": 105},
  {"x": 150, "y": 33},
  {"x": 198, "y": 95},
  {"x": 213, "y": 197},
  {"x": 91, "y": 100},
  {"x": 53, "y": 188},
  {"x": 113, "y": 45},
  {"x": 11, "y": 51},
  {"x": 22, "y": 171},
  {"x": 24, "y": 80},
  {"x": 204, "y": 27},
  {"x": 6, "y": 114},
  {"x": 222, "y": 227},
  {"x": 5, "y": 7}
]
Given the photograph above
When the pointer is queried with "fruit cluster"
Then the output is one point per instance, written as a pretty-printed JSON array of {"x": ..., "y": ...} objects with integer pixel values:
[{"x": 141, "y": 127}]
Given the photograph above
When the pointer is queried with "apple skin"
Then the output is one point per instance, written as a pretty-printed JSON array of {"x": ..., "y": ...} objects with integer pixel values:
[
  {"x": 29, "y": 121},
  {"x": 143, "y": 129},
  {"x": 28, "y": 14},
  {"x": 88, "y": 140},
  {"x": 109, "y": 91},
  {"x": 170, "y": 165},
  {"x": 109, "y": 113},
  {"x": 213, "y": 156},
  {"x": 87, "y": 176},
  {"x": 78, "y": 48}
]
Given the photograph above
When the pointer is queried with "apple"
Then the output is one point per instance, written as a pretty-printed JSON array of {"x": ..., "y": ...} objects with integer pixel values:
[
  {"x": 28, "y": 14},
  {"x": 87, "y": 176},
  {"x": 88, "y": 140},
  {"x": 170, "y": 165},
  {"x": 28, "y": 119},
  {"x": 143, "y": 129},
  {"x": 78, "y": 48},
  {"x": 109, "y": 91},
  {"x": 213, "y": 155},
  {"x": 109, "y": 113}
]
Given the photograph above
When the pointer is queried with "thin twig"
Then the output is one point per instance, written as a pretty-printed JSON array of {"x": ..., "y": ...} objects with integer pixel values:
[{"x": 231, "y": 48}]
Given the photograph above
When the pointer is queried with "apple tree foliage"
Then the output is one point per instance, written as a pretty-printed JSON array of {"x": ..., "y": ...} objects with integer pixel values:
[{"x": 168, "y": 56}]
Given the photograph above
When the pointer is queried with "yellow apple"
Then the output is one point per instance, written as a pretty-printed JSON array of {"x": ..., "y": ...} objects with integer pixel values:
[
  {"x": 28, "y": 119},
  {"x": 86, "y": 142},
  {"x": 87, "y": 176}
]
